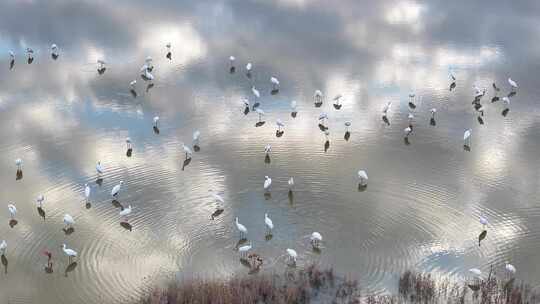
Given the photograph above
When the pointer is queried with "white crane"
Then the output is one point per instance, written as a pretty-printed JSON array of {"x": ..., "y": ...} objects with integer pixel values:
[
  {"x": 241, "y": 228},
  {"x": 315, "y": 239},
  {"x": 267, "y": 183},
  {"x": 69, "y": 252},
  {"x": 68, "y": 221},
  {"x": 362, "y": 178},
  {"x": 116, "y": 189},
  {"x": 269, "y": 224}
]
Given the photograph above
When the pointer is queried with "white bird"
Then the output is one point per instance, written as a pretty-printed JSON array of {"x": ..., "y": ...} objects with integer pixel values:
[
  {"x": 410, "y": 118},
  {"x": 101, "y": 64},
  {"x": 510, "y": 268},
  {"x": 362, "y": 177},
  {"x": 347, "y": 126},
  {"x": 11, "y": 55},
  {"x": 125, "y": 212},
  {"x": 128, "y": 143},
  {"x": 54, "y": 50},
  {"x": 512, "y": 83},
  {"x": 116, "y": 189},
  {"x": 477, "y": 272},
  {"x": 269, "y": 224},
  {"x": 218, "y": 198},
  {"x": 275, "y": 82},
  {"x": 87, "y": 191},
  {"x": 467, "y": 137},
  {"x": 149, "y": 62},
  {"x": 19, "y": 163},
  {"x": 260, "y": 112},
  {"x": 69, "y": 252},
  {"x": 452, "y": 76},
  {"x": 267, "y": 183},
  {"x": 147, "y": 75},
  {"x": 407, "y": 131},
  {"x": 478, "y": 92},
  {"x": 12, "y": 210},
  {"x": 323, "y": 116},
  {"x": 3, "y": 247},
  {"x": 187, "y": 150},
  {"x": 337, "y": 98},
  {"x": 386, "y": 108},
  {"x": 293, "y": 106},
  {"x": 292, "y": 255},
  {"x": 318, "y": 97},
  {"x": 30, "y": 53},
  {"x": 279, "y": 124},
  {"x": 241, "y": 228},
  {"x": 268, "y": 149},
  {"x": 315, "y": 239},
  {"x": 483, "y": 221},
  {"x": 506, "y": 101},
  {"x": 156, "y": 121},
  {"x": 256, "y": 92},
  {"x": 243, "y": 250},
  {"x": 99, "y": 168},
  {"x": 68, "y": 220},
  {"x": 132, "y": 84},
  {"x": 39, "y": 200},
  {"x": 245, "y": 102},
  {"x": 433, "y": 112},
  {"x": 196, "y": 136},
  {"x": 248, "y": 67},
  {"x": 291, "y": 183},
  {"x": 231, "y": 60}
]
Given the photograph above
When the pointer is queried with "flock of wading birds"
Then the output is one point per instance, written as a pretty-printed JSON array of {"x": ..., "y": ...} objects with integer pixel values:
[{"x": 254, "y": 260}]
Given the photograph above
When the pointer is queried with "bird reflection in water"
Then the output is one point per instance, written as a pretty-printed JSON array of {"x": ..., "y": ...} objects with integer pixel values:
[
  {"x": 13, "y": 223},
  {"x": 481, "y": 237},
  {"x": 69, "y": 230},
  {"x": 217, "y": 213},
  {"x": 186, "y": 163},
  {"x": 126, "y": 225},
  {"x": 4, "y": 263},
  {"x": 41, "y": 212},
  {"x": 70, "y": 268}
]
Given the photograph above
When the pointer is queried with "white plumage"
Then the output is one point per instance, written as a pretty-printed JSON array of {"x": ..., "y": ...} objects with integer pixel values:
[
  {"x": 3, "y": 247},
  {"x": 280, "y": 124},
  {"x": 116, "y": 189},
  {"x": 315, "y": 239},
  {"x": 268, "y": 222},
  {"x": 362, "y": 177},
  {"x": 87, "y": 191},
  {"x": 68, "y": 220},
  {"x": 291, "y": 183},
  {"x": 477, "y": 272},
  {"x": 12, "y": 210},
  {"x": 99, "y": 168},
  {"x": 243, "y": 250},
  {"x": 386, "y": 107},
  {"x": 196, "y": 136},
  {"x": 18, "y": 163},
  {"x": 267, "y": 182},
  {"x": 156, "y": 121},
  {"x": 255, "y": 92},
  {"x": 187, "y": 150},
  {"x": 249, "y": 66},
  {"x": 39, "y": 200},
  {"x": 407, "y": 131},
  {"x": 241, "y": 228},
  {"x": 292, "y": 255},
  {"x": 467, "y": 137},
  {"x": 293, "y": 105},
  {"x": 69, "y": 252},
  {"x": 218, "y": 198},
  {"x": 512, "y": 83},
  {"x": 268, "y": 148},
  {"x": 125, "y": 212},
  {"x": 510, "y": 268},
  {"x": 483, "y": 221},
  {"x": 275, "y": 82}
]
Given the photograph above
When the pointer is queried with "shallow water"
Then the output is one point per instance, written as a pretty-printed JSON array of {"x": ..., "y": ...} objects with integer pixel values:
[{"x": 419, "y": 211}]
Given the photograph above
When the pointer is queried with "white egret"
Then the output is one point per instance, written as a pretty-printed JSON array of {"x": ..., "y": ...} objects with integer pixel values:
[
  {"x": 260, "y": 112},
  {"x": 99, "y": 168},
  {"x": 218, "y": 198},
  {"x": 87, "y": 191},
  {"x": 116, "y": 189},
  {"x": 268, "y": 149},
  {"x": 386, "y": 108},
  {"x": 68, "y": 220},
  {"x": 69, "y": 252},
  {"x": 39, "y": 200},
  {"x": 3, "y": 247},
  {"x": 196, "y": 137},
  {"x": 293, "y": 106},
  {"x": 292, "y": 255},
  {"x": 318, "y": 97},
  {"x": 187, "y": 150},
  {"x": 275, "y": 82},
  {"x": 483, "y": 221},
  {"x": 510, "y": 269},
  {"x": 477, "y": 272},
  {"x": 147, "y": 75},
  {"x": 347, "y": 126},
  {"x": 267, "y": 183},
  {"x": 12, "y": 210},
  {"x": 279, "y": 124},
  {"x": 243, "y": 250},
  {"x": 101, "y": 64},
  {"x": 19, "y": 164},
  {"x": 269, "y": 224},
  {"x": 231, "y": 60},
  {"x": 248, "y": 67},
  {"x": 256, "y": 92},
  {"x": 362, "y": 178},
  {"x": 410, "y": 118},
  {"x": 30, "y": 53},
  {"x": 322, "y": 117},
  {"x": 513, "y": 84},
  {"x": 506, "y": 101},
  {"x": 467, "y": 137},
  {"x": 156, "y": 121},
  {"x": 54, "y": 51},
  {"x": 291, "y": 183},
  {"x": 125, "y": 212},
  {"x": 433, "y": 112},
  {"x": 128, "y": 143},
  {"x": 132, "y": 84},
  {"x": 241, "y": 228},
  {"x": 315, "y": 240},
  {"x": 407, "y": 131}
]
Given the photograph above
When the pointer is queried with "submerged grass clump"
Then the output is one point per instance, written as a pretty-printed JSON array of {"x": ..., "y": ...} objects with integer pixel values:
[{"x": 315, "y": 285}]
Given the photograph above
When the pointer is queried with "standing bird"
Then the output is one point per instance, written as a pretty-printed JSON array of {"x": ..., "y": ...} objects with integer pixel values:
[
  {"x": 322, "y": 117},
  {"x": 99, "y": 168},
  {"x": 407, "y": 131},
  {"x": 12, "y": 211},
  {"x": 19, "y": 164},
  {"x": 513, "y": 84},
  {"x": 243, "y": 250},
  {"x": 467, "y": 137},
  {"x": 386, "y": 108},
  {"x": 116, "y": 189},
  {"x": 337, "y": 100},
  {"x": 231, "y": 61},
  {"x": 132, "y": 84},
  {"x": 248, "y": 67},
  {"x": 318, "y": 97},
  {"x": 411, "y": 102},
  {"x": 510, "y": 269},
  {"x": 362, "y": 178},
  {"x": 187, "y": 150},
  {"x": 315, "y": 240},
  {"x": 483, "y": 221},
  {"x": 245, "y": 102},
  {"x": 68, "y": 221},
  {"x": 279, "y": 124},
  {"x": 156, "y": 121},
  {"x": 290, "y": 182},
  {"x": 3, "y": 247},
  {"x": 269, "y": 224},
  {"x": 101, "y": 66},
  {"x": 267, "y": 183},
  {"x": 196, "y": 137},
  {"x": 69, "y": 252},
  {"x": 256, "y": 92},
  {"x": 292, "y": 255},
  {"x": 39, "y": 200},
  {"x": 54, "y": 51},
  {"x": 506, "y": 102},
  {"x": 11, "y": 60},
  {"x": 293, "y": 106},
  {"x": 125, "y": 212},
  {"x": 128, "y": 143},
  {"x": 268, "y": 149},
  {"x": 30, "y": 55},
  {"x": 433, "y": 112},
  {"x": 275, "y": 83},
  {"x": 410, "y": 118},
  {"x": 87, "y": 192},
  {"x": 241, "y": 229},
  {"x": 347, "y": 126}
]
